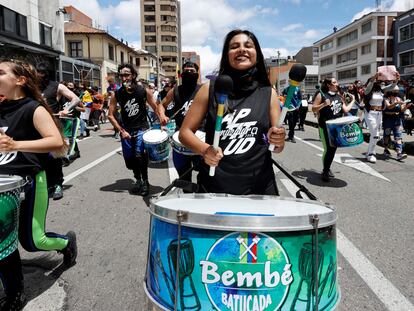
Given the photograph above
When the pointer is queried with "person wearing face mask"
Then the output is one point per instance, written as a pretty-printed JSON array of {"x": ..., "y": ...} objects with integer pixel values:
[
  {"x": 52, "y": 92},
  {"x": 132, "y": 99},
  {"x": 329, "y": 104},
  {"x": 243, "y": 162},
  {"x": 182, "y": 96},
  {"x": 393, "y": 115},
  {"x": 374, "y": 104}
]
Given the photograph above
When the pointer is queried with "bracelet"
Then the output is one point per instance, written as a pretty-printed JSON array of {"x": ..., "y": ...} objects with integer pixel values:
[{"x": 206, "y": 150}]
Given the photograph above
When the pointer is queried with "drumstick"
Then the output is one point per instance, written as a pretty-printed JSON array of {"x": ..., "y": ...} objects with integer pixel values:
[
  {"x": 223, "y": 86},
  {"x": 296, "y": 75}
]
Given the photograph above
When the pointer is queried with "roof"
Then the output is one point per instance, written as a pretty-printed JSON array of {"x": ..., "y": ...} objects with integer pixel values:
[{"x": 73, "y": 27}]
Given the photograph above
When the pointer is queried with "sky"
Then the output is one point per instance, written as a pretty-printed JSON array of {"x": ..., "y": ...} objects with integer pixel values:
[{"x": 280, "y": 25}]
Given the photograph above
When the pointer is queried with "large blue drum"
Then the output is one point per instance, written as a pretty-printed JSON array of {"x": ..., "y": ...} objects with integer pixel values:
[
  {"x": 10, "y": 189},
  {"x": 221, "y": 252}
]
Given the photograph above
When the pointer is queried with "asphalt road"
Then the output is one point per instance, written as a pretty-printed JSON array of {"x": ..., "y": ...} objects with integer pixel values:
[{"x": 375, "y": 221}]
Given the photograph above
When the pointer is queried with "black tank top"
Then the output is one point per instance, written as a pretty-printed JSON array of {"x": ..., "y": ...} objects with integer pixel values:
[
  {"x": 16, "y": 119},
  {"x": 133, "y": 108},
  {"x": 182, "y": 101},
  {"x": 246, "y": 167},
  {"x": 50, "y": 95},
  {"x": 330, "y": 112}
]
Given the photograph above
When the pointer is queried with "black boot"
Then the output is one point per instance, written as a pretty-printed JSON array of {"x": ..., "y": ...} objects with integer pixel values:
[
  {"x": 15, "y": 302},
  {"x": 145, "y": 188},
  {"x": 70, "y": 252}
]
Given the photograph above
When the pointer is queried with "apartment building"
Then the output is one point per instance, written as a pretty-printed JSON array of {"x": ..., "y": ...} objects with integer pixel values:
[
  {"x": 404, "y": 45},
  {"x": 161, "y": 32},
  {"x": 32, "y": 30},
  {"x": 358, "y": 49}
]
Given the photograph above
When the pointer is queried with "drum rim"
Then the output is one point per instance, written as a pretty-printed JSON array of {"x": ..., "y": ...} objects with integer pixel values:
[
  {"x": 16, "y": 182},
  {"x": 242, "y": 223},
  {"x": 332, "y": 121}
]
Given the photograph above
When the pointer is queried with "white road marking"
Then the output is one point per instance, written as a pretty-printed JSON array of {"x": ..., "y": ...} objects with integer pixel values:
[
  {"x": 389, "y": 295},
  {"x": 292, "y": 188},
  {"x": 90, "y": 165},
  {"x": 348, "y": 160}
]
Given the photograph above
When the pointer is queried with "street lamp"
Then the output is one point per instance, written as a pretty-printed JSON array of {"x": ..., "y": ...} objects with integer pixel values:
[{"x": 278, "y": 72}]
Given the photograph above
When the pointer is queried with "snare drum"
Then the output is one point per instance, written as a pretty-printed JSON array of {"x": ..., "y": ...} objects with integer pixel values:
[
  {"x": 180, "y": 148},
  {"x": 70, "y": 128},
  {"x": 157, "y": 145},
  {"x": 344, "y": 132},
  {"x": 10, "y": 189},
  {"x": 217, "y": 251}
]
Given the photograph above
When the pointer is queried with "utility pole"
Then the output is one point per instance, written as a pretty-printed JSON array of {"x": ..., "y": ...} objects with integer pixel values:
[{"x": 278, "y": 72}]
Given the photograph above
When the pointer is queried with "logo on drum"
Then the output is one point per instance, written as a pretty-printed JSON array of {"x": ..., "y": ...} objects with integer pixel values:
[
  {"x": 350, "y": 133},
  {"x": 246, "y": 271}
]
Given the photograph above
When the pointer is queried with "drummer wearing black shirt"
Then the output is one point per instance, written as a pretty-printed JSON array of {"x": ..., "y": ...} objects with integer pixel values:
[
  {"x": 329, "y": 104},
  {"x": 132, "y": 98}
]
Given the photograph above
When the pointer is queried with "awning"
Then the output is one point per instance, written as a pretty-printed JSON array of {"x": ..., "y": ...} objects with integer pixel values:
[{"x": 28, "y": 46}]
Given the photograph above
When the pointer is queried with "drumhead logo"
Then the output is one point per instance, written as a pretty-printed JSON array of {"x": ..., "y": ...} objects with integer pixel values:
[
  {"x": 350, "y": 133},
  {"x": 246, "y": 271}
]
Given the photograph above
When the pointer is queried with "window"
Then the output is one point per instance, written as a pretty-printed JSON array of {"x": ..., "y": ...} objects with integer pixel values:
[
  {"x": 111, "y": 52},
  {"x": 168, "y": 38},
  {"x": 353, "y": 35},
  {"x": 150, "y": 29},
  {"x": 9, "y": 20},
  {"x": 75, "y": 49},
  {"x": 327, "y": 46},
  {"x": 346, "y": 57},
  {"x": 122, "y": 57},
  {"x": 150, "y": 39},
  {"x": 131, "y": 61},
  {"x": 366, "y": 49},
  {"x": 366, "y": 69},
  {"x": 151, "y": 48},
  {"x": 169, "y": 59},
  {"x": 168, "y": 28},
  {"x": 407, "y": 32},
  {"x": 326, "y": 61},
  {"x": 137, "y": 61},
  {"x": 13, "y": 22},
  {"x": 366, "y": 27},
  {"x": 168, "y": 48},
  {"x": 45, "y": 34},
  {"x": 170, "y": 8},
  {"x": 347, "y": 74},
  {"x": 168, "y": 18},
  {"x": 407, "y": 59},
  {"x": 149, "y": 18},
  {"x": 149, "y": 8}
]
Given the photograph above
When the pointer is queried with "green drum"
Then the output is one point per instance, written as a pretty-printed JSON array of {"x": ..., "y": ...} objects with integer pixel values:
[
  {"x": 10, "y": 189},
  {"x": 237, "y": 253}
]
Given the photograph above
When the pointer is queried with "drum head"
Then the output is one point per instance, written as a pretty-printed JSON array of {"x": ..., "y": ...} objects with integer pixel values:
[
  {"x": 10, "y": 182},
  {"x": 344, "y": 120},
  {"x": 154, "y": 136},
  {"x": 243, "y": 213},
  {"x": 200, "y": 134}
]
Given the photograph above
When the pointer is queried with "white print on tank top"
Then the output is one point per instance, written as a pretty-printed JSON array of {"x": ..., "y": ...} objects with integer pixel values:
[
  {"x": 242, "y": 135},
  {"x": 185, "y": 107},
  {"x": 336, "y": 106},
  {"x": 7, "y": 157},
  {"x": 131, "y": 107}
]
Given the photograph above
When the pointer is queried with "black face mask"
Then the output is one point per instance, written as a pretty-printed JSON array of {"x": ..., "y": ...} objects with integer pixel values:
[{"x": 189, "y": 78}]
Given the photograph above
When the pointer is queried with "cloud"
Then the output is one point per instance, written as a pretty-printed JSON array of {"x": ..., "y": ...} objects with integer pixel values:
[
  {"x": 123, "y": 17},
  {"x": 387, "y": 5},
  {"x": 312, "y": 34},
  {"x": 209, "y": 60},
  {"x": 261, "y": 10},
  {"x": 291, "y": 27},
  {"x": 272, "y": 52}
]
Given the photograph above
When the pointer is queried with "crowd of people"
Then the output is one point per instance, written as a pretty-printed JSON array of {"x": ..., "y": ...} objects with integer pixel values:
[{"x": 52, "y": 113}]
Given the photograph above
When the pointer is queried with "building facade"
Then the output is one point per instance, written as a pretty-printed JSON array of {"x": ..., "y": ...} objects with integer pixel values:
[
  {"x": 404, "y": 45},
  {"x": 355, "y": 51},
  {"x": 32, "y": 30},
  {"x": 161, "y": 32}
]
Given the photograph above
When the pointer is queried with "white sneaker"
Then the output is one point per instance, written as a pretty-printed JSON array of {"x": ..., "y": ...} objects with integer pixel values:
[
  {"x": 401, "y": 156},
  {"x": 371, "y": 158}
]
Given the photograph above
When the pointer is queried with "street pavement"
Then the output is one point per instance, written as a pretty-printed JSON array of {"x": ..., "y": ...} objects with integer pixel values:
[{"x": 374, "y": 228}]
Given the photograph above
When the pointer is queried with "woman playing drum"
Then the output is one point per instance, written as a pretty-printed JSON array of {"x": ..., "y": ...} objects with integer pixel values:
[
  {"x": 28, "y": 133},
  {"x": 243, "y": 163},
  {"x": 329, "y": 104}
]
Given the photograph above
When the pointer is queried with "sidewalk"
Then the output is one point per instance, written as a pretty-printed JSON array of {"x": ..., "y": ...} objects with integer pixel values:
[{"x": 408, "y": 140}]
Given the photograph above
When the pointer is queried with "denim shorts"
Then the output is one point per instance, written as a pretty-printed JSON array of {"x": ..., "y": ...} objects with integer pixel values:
[
  {"x": 134, "y": 146},
  {"x": 394, "y": 126}
]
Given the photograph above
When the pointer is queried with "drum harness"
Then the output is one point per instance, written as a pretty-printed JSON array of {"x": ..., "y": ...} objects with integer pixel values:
[{"x": 182, "y": 216}]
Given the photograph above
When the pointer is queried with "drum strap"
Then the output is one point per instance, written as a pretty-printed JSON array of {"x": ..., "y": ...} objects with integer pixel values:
[{"x": 301, "y": 187}]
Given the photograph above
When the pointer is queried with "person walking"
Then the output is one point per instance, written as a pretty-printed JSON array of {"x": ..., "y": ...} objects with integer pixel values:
[{"x": 132, "y": 99}]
